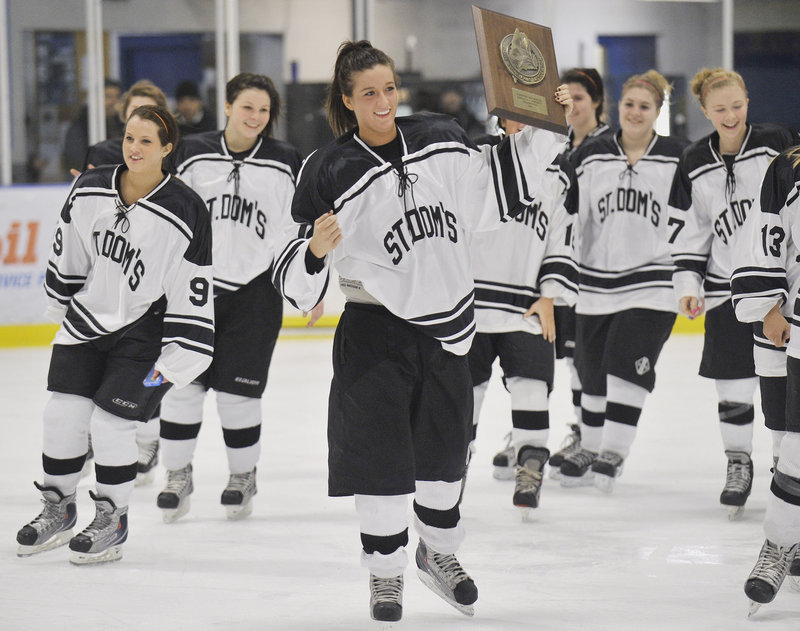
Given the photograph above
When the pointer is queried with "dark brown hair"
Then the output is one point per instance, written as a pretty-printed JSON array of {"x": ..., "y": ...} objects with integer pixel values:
[
  {"x": 351, "y": 58},
  {"x": 590, "y": 79},
  {"x": 163, "y": 119},
  {"x": 248, "y": 80}
]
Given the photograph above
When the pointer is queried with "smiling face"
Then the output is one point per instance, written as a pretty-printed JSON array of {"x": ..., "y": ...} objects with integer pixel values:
[
  {"x": 638, "y": 112},
  {"x": 142, "y": 148},
  {"x": 583, "y": 115},
  {"x": 374, "y": 103},
  {"x": 248, "y": 116},
  {"x": 726, "y": 108}
]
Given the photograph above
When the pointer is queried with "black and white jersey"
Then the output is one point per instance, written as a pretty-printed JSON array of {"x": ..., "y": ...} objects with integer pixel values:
[
  {"x": 109, "y": 263},
  {"x": 601, "y": 130},
  {"x": 623, "y": 231},
  {"x": 528, "y": 257},
  {"x": 405, "y": 225},
  {"x": 248, "y": 198},
  {"x": 709, "y": 204},
  {"x": 768, "y": 270},
  {"x": 105, "y": 152}
]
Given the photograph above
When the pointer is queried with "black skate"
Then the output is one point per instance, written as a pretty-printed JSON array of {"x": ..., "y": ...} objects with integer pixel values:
[
  {"x": 529, "y": 477},
  {"x": 570, "y": 444},
  {"x": 738, "y": 482},
  {"x": 145, "y": 465},
  {"x": 238, "y": 495},
  {"x": 504, "y": 461},
  {"x": 767, "y": 576},
  {"x": 101, "y": 541},
  {"x": 52, "y": 528},
  {"x": 174, "y": 499},
  {"x": 576, "y": 470},
  {"x": 607, "y": 468},
  {"x": 443, "y": 575},
  {"x": 386, "y": 598}
]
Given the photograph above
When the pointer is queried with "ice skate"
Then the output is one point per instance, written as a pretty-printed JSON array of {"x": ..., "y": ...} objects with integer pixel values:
[
  {"x": 52, "y": 527},
  {"x": 576, "y": 470},
  {"x": 174, "y": 499},
  {"x": 386, "y": 598},
  {"x": 146, "y": 464},
  {"x": 101, "y": 541},
  {"x": 794, "y": 570},
  {"x": 738, "y": 482},
  {"x": 529, "y": 478},
  {"x": 768, "y": 574},
  {"x": 607, "y": 468},
  {"x": 443, "y": 575},
  {"x": 89, "y": 462},
  {"x": 504, "y": 461},
  {"x": 238, "y": 495},
  {"x": 570, "y": 444}
]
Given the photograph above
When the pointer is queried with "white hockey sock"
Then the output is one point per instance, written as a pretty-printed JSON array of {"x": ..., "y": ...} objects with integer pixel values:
[
  {"x": 624, "y": 403},
  {"x": 736, "y": 413},
  {"x": 777, "y": 437},
  {"x": 529, "y": 407},
  {"x": 65, "y": 435},
  {"x": 148, "y": 432},
  {"x": 115, "y": 454},
  {"x": 592, "y": 435},
  {"x": 383, "y": 516},
  {"x": 782, "y": 520},
  {"x": 440, "y": 496},
  {"x": 575, "y": 386},
  {"x": 181, "y": 407},
  {"x": 241, "y": 427}
]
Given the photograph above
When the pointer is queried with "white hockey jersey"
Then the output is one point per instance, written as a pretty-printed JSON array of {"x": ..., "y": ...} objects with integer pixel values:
[
  {"x": 405, "y": 237},
  {"x": 248, "y": 199},
  {"x": 768, "y": 269},
  {"x": 709, "y": 205},
  {"x": 623, "y": 230},
  {"x": 528, "y": 257},
  {"x": 110, "y": 263}
]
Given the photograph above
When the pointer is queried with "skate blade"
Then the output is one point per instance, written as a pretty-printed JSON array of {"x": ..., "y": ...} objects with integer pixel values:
[
  {"x": 238, "y": 511},
  {"x": 604, "y": 483},
  {"x": 114, "y": 553},
  {"x": 145, "y": 478},
  {"x": 173, "y": 514},
  {"x": 504, "y": 473},
  {"x": 570, "y": 482},
  {"x": 430, "y": 583},
  {"x": 753, "y": 608},
  {"x": 56, "y": 541},
  {"x": 735, "y": 512},
  {"x": 527, "y": 516}
]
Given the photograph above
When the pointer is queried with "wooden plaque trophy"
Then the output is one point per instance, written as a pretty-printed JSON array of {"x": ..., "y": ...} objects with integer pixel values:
[{"x": 518, "y": 64}]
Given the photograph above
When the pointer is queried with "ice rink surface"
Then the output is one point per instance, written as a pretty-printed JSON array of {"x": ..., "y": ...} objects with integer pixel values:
[{"x": 659, "y": 553}]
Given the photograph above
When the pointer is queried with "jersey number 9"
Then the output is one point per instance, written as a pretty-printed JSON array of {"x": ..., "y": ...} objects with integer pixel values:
[{"x": 199, "y": 289}]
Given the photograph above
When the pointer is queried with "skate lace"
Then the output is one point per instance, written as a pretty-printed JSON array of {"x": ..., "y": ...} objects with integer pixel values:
[
  {"x": 387, "y": 589},
  {"x": 738, "y": 477},
  {"x": 611, "y": 458},
  {"x": 102, "y": 520},
  {"x": 582, "y": 457},
  {"x": 450, "y": 569},
  {"x": 51, "y": 513},
  {"x": 773, "y": 563},
  {"x": 178, "y": 480},
  {"x": 528, "y": 480},
  {"x": 240, "y": 481},
  {"x": 570, "y": 444}
]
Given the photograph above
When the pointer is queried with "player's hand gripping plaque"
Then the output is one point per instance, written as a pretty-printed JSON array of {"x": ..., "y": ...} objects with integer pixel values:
[{"x": 518, "y": 64}]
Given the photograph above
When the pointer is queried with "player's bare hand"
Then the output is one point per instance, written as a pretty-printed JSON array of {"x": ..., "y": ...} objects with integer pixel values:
[
  {"x": 692, "y": 306},
  {"x": 563, "y": 98},
  {"x": 544, "y": 309},
  {"x": 776, "y": 328},
  {"x": 316, "y": 313},
  {"x": 327, "y": 235}
]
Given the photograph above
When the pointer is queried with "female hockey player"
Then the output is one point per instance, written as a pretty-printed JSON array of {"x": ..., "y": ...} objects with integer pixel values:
[
  {"x": 390, "y": 204},
  {"x": 130, "y": 279},
  {"x": 246, "y": 179},
  {"x": 625, "y": 309},
  {"x": 109, "y": 151},
  {"x": 717, "y": 183},
  {"x": 522, "y": 270},
  {"x": 767, "y": 290}
]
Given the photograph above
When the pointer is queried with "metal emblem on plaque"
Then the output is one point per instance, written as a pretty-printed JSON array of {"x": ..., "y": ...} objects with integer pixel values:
[{"x": 523, "y": 60}]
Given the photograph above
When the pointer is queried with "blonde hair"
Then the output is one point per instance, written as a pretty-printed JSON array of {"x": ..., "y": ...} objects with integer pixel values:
[
  {"x": 145, "y": 88},
  {"x": 653, "y": 81},
  {"x": 713, "y": 78}
]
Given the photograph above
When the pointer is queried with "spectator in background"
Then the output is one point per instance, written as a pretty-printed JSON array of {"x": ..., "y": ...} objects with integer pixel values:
[
  {"x": 451, "y": 102},
  {"x": 76, "y": 140},
  {"x": 192, "y": 117}
]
